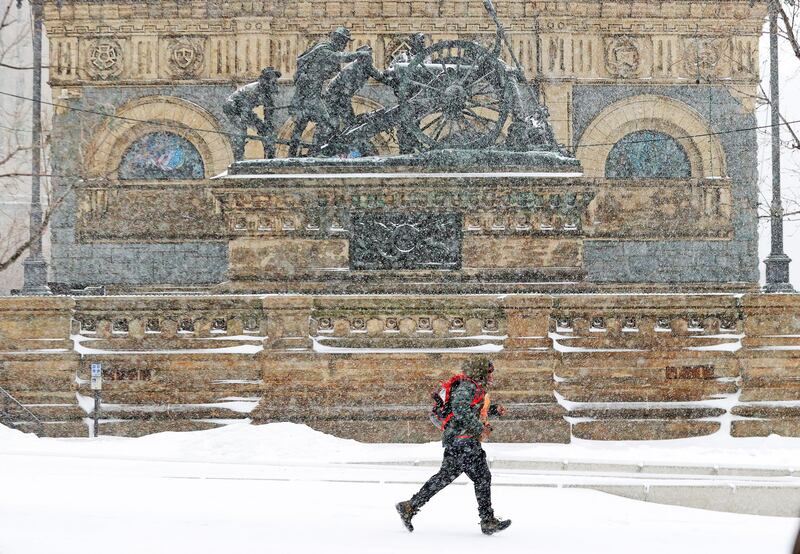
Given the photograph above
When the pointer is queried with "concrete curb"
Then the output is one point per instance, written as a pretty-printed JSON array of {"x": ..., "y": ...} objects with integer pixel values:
[{"x": 737, "y": 489}]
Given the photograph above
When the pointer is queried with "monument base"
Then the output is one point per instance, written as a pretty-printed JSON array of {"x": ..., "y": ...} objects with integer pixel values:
[{"x": 591, "y": 366}]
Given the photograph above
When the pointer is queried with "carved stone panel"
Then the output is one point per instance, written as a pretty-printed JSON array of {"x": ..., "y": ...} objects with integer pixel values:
[
  {"x": 422, "y": 240},
  {"x": 522, "y": 252},
  {"x": 270, "y": 258},
  {"x": 622, "y": 57},
  {"x": 701, "y": 57},
  {"x": 143, "y": 213},
  {"x": 185, "y": 56},
  {"x": 661, "y": 211},
  {"x": 104, "y": 59}
]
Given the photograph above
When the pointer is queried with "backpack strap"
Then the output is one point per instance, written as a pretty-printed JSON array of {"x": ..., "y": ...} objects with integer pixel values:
[{"x": 479, "y": 396}]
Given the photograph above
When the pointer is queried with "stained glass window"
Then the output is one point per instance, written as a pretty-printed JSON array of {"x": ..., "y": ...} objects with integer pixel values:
[
  {"x": 161, "y": 156},
  {"x": 648, "y": 154}
]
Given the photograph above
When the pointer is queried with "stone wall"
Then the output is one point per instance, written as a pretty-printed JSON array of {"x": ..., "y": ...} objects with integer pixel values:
[
  {"x": 589, "y": 366},
  {"x": 684, "y": 261}
]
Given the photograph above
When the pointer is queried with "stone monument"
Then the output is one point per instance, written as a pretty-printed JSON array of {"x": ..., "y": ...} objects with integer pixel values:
[
  {"x": 429, "y": 215},
  {"x": 335, "y": 216}
]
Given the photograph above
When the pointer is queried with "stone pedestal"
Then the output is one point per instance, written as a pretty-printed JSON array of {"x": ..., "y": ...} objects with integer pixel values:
[{"x": 365, "y": 226}]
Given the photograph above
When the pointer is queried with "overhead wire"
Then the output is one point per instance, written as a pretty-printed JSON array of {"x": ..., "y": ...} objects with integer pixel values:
[{"x": 174, "y": 125}]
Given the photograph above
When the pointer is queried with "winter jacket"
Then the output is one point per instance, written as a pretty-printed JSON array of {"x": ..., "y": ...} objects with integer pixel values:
[{"x": 465, "y": 422}]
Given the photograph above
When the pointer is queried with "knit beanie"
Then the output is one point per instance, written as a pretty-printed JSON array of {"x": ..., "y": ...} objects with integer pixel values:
[{"x": 477, "y": 368}]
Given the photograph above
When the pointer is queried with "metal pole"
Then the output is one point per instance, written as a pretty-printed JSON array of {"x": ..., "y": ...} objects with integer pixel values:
[
  {"x": 35, "y": 268},
  {"x": 96, "y": 413},
  {"x": 777, "y": 262}
]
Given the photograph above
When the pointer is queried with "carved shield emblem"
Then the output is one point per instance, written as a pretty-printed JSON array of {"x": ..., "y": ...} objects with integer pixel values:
[
  {"x": 185, "y": 56},
  {"x": 701, "y": 57},
  {"x": 395, "y": 240}
]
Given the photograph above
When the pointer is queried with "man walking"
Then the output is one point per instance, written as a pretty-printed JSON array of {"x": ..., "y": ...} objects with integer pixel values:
[{"x": 463, "y": 431}]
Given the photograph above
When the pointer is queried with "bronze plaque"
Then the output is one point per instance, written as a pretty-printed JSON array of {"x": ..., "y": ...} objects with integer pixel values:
[{"x": 389, "y": 240}]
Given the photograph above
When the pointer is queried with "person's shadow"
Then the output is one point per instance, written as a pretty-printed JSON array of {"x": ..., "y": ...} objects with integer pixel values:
[{"x": 796, "y": 549}]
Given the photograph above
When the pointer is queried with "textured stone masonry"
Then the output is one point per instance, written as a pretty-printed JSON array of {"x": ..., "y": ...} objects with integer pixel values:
[{"x": 589, "y": 366}]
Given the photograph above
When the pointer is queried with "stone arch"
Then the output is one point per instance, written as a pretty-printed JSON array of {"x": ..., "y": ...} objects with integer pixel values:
[
  {"x": 652, "y": 113},
  {"x": 149, "y": 114},
  {"x": 386, "y": 143}
]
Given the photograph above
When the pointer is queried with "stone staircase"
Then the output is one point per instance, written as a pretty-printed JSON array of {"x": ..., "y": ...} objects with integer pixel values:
[{"x": 15, "y": 414}]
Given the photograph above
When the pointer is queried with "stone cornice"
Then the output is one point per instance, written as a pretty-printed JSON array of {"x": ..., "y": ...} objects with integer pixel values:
[{"x": 400, "y": 15}]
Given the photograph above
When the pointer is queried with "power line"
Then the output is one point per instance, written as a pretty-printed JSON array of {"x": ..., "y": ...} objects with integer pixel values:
[
  {"x": 699, "y": 135},
  {"x": 122, "y": 117},
  {"x": 225, "y": 133}
]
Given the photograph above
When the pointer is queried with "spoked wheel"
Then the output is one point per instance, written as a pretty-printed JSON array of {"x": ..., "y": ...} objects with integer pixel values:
[{"x": 454, "y": 94}]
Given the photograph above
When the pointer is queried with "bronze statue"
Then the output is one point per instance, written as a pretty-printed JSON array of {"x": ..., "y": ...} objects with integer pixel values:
[
  {"x": 240, "y": 106},
  {"x": 533, "y": 132},
  {"x": 454, "y": 95},
  {"x": 339, "y": 94},
  {"x": 416, "y": 44},
  {"x": 315, "y": 66}
]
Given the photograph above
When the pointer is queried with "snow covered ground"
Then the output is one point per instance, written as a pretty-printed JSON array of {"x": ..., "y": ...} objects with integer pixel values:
[{"x": 286, "y": 488}]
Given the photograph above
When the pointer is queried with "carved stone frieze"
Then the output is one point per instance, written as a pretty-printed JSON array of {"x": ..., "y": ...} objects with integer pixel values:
[
  {"x": 404, "y": 323},
  {"x": 696, "y": 322},
  {"x": 503, "y": 211},
  {"x": 622, "y": 56},
  {"x": 104, "y": 59},
  {"x": 273, "y": 34}
]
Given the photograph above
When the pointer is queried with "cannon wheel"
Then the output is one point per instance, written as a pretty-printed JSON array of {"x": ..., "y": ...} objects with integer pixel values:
[{"x": 455, "y": 94}]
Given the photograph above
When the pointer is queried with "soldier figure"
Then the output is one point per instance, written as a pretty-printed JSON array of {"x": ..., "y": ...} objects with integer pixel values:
[
  {"x": 339, "y": 94},
  {"x": 316, "y": 65},
  {"x": 533, "y": 133},
  {"x": 407, "y": 142},
  {"x": 541, "y": 119},
  {"x": 239, "y": 108}
]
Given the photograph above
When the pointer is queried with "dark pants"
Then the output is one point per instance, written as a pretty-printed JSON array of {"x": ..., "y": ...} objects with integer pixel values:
[{"x": 464, "y": 456}]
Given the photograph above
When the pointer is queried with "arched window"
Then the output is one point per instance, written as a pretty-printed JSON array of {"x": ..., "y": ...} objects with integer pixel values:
[
  {"x": 161, "y": 156},
  {"x": 649, "y": 155}
]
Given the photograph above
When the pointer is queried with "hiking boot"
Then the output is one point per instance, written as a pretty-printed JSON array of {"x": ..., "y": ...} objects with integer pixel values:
[
  {"x": 493, "y": 525},
  {"x": 406, "y": 511}
]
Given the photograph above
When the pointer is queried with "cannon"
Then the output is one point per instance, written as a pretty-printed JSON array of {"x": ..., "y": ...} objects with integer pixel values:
[{"x": 453, "y": 94}]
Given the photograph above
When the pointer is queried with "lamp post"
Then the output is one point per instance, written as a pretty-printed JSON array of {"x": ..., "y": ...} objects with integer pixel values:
[
  {"x": 777, "y": 262},
  {"x": 35, "y": 267}
]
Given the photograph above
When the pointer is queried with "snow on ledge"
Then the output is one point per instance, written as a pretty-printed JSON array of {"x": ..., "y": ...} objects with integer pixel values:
[
  {"x": 412, "y": 175},
  {"x": 479, "y": 349},
  {"x": 726, "y": 402},
  {"x": 558, "y": 347},
  {"x": 78, "y": 341}
]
